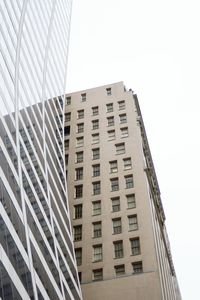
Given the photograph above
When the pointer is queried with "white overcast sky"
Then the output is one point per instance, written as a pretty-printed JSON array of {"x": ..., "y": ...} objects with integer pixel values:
[{"x": 154, "y": 47}]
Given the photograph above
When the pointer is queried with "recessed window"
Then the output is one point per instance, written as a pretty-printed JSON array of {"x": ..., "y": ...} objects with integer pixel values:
[
  {"x": 79, "y": 191},
  {"x": 96, "y": 170},
  {"x": 95, "y": 138},
  {"x": 97, "y": 274},
  {"x": 96, "y": 188},
  {"x": 117, "y": 226},
  {"x": 78, "y": 254},
  {"x": 79, "y": 157},
  {"x": 78, "y": 211},
  {"x": 95, "y": 110},
  {"x": 119, "y": 270},
  {"x": 118, "y": 249},
  {"x": 133, "y": 222},
  {"x": 131, "y": 203},
  {"x": 79, "y": 173},
  {"x": 121, "y": 104},
  {"x": 129, "y": 181},
  {"x": 80, "y": 276},
  {"x": 135, "y": 246},
  {"x": 120, "y": 148},
  {"x": 113, "y": 166},
  {"x": 80, "y": 127},
  {"x": 79, "y": 141},
  {"x": 97, "y": 229},
  {"x": 83, "y": 97},
  {"x": 66, "y": 159},
  {"x": 67, "y": 117},
  {"x": 77, "y": 233},
  {"x": 124, "y": 132},
  {"x": 111, "y": 135},
  {"x": 127, "y": 163},
  {"x": 96, "y": 207},
  {"x": 68, "y": 100},
  {"x": 80, "y": 114},
  {"x": 137, "y": 267},
  {"x": 114, "y": 184},
  {"x": 111, "y": 121},
  {"x": 109, "y": 107},
  {"x": 98, "y": 253},
  {"x": 123, "y": 118},
  {"x": 96, "y": 153},
  {"x": 95, "y": 124},
  {"x": 66, "y": 145},
  {"x": 109, "y": 91},
  {"x": 115, "y": 204},
  {"x": 67, "y": 130}
]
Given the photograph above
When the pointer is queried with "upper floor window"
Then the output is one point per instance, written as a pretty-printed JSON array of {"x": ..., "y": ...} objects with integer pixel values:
[
  {"x": 66, "y": 130},
  {"x": 96, "y": 207},
  {"x": 77, "y": 233},
  {"x": 129, "y": 181},
  {"x": 79, "y": 157},
  {"x": 95, "y": 110},
  {"x": 137, "y": 267},
  {"x": 115, "y": 204},
  {"x": 110, "y": 121},
  {"x": 113, "y": 166},
  {"x": 120, "y": 148},
  {"x": 127, "y": 163},
  {"x": 133, "y": 222},
  {"x": 97, "y": 229},
  {"x": 80, "y": 114},
  {"x": 97, "y": 274},
  {"x": 68, "y": 100},
  {"x": 79, "y": 141},
  {"x": 78, "y": 254},
  {"x": 66, "y": 145},
  {"x": 121, "y": 104},
  {"x": 109, "y": 91},
  {"x": 80, "y": 127},
  {"x": 114, "y": 184},
  {"x": 95, "y": 138},
  {"x": 119, "y": 270},
  {"x": 131, "y": 203},
  {"x": 96, "y": 188},
  {"x": 117, "y": 226},
  {"x": 96, "y": 153},
  {"x": 83, "y": 97},
  {"x": 79, "y": 173},
  {"x": 109, "y": 107},
  {"x": 135, "y": 246},
  {"x": 98, "y": 253},
  {"x": 67, "y": 117},
  {"x": 111, "y": 135},
  {"x": 78, "y": 211},
  {"x": 124, "y": 132},
  {"x": 123, "y": 118},
  {"x": 96, "y": 170},
  {"x": 118, "y": 249},
  {"x": 79, "y": 191},
  {"x": 95, "y": 124}
]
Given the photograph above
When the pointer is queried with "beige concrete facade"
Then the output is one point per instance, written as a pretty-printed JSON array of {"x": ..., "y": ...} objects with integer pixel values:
[{"x": 120, "y": 238}]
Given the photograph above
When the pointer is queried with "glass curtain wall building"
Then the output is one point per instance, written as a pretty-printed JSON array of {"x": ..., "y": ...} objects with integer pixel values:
[{"x": 37, "y": 258}]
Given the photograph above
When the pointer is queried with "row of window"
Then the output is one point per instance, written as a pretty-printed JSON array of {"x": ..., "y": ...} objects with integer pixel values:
[
  {"x": 96, "y": 186},
  {"x": 96, "y": 206},
  {"x": 119, "y": 270},
  {"x": 117, "y": 248},
  {"x": 116, "y": 227},
  {"x": 96, "y": 168}
]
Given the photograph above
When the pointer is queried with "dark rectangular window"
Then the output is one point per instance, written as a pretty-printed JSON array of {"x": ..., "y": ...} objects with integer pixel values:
[
  {"x": 135, "y": 246},
  {"x": 78, "y": 211},
  {"x": 118, "y": 249},
  {"x": 96, "y": 153},
  {"x": 77, "y": 233},
  {"x": 79, "y": 191},
  {"x": 96, "y": 188}
]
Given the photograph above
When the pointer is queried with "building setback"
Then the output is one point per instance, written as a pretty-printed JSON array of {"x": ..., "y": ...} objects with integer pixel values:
[
  {"x": 37, "y": 259},
  {"x": 121, "y": 244}
]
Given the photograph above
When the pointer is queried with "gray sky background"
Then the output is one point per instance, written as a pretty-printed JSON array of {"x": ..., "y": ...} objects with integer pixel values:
[{"x": 154, "y": 47}]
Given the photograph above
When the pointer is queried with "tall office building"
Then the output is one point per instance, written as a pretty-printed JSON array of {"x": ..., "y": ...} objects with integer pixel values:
[
  {"x": 121, "y": 243},
  {"x": 37, "y": 259}
]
